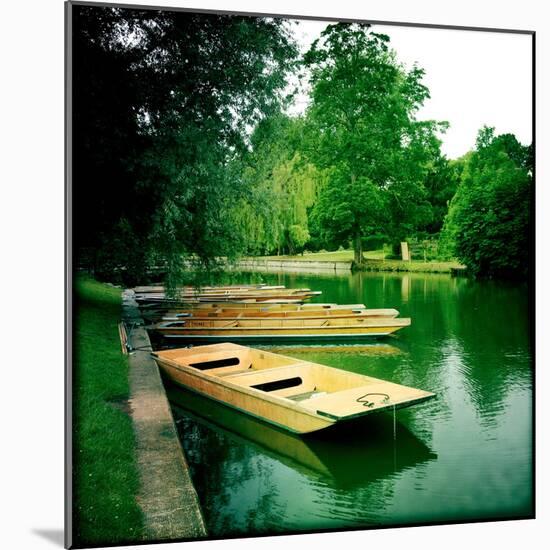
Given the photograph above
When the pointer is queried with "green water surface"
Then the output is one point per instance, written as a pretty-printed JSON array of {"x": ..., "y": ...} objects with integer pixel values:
[{"x": 465, "y": 455}]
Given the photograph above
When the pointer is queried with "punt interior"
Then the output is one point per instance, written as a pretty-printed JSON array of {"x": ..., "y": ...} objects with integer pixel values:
[{"x": 299, "y": 381}]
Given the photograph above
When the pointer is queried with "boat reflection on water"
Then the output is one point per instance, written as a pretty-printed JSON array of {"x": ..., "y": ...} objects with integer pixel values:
[
  {"x": 350, "y": 455},
  {"x": 373, "y": 349},
  {"x": 370, "y": 349}
]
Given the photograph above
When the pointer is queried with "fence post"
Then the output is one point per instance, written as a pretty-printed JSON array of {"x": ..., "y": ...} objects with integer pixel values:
[{"x": 405, "y": 254}]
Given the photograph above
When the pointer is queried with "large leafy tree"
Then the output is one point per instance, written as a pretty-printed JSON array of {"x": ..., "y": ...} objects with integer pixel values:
[
  {"x": 163, "y": 103},
  {"x": 488, "y": 224},
  {"x": 365, "y": 134}
]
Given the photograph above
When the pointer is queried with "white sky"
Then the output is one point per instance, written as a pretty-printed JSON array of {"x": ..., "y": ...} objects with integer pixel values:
[{"x": 474, "y": 78}]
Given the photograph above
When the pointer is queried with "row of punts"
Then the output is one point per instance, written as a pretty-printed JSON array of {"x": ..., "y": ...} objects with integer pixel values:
[
  {"x": 247, "y": 294},
  {"x": 259, "y": 313},
  {"x": 295, "y": 395}
]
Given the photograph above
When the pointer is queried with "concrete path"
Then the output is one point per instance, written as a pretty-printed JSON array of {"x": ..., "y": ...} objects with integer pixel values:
[{"x": 167, "y": 497}]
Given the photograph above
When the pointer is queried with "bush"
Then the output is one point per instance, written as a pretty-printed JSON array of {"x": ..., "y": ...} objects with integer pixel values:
[{"x": 488, "y": 223}]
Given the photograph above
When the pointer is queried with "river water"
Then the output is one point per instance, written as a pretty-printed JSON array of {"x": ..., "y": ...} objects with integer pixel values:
[{"x": 465, "y": 455}]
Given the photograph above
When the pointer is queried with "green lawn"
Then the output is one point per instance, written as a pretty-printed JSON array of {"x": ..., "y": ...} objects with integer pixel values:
[
  {"x": 413, "y": 266},
  {"x": 105, "y": 476}
]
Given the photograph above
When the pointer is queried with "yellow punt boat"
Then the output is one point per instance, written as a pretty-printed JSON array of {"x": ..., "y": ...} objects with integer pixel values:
[
  {"x": 267, "y": 299},
  {"x": 226, "y": 293},
  {"x": 153, "y": 309},
  {"x": 161, "y": 288},
  {"x": 156, "y": 312},
  {"x": 280, "y": 330},
  {"x": 241, "y": 305},
  {"x": 278, "y": 306},
  {"x": 235, "y": 294},
  {"x": 218, "y": 302},
  {"x": 298, "y": 396},
  {"x": 248, "y": 315}
]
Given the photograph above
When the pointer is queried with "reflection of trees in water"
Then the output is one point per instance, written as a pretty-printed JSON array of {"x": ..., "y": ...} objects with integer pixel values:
[
  {"x": 364, "y": 500},
  {"x": 475, "y": 332},
  {"x": 226, "y": 475},
  {"x": 491, "y": 322}
]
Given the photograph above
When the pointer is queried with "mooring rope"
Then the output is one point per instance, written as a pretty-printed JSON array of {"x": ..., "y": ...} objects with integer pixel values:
[
  {"x": 394, "y": 423},
  {"x": 372, "y": 403},
  {"x": 146, "y": 347}
]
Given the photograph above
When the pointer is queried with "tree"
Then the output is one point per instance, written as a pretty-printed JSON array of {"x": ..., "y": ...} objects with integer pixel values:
[
  {"x": 298, "y": 236},
  {"x": 364, "y": 133},
  {"x": 283, "y": 186},
  {"x": 163, "y": 103},
  {"x": 488, "y": 224},
  {"x": 441, "y": 182}
]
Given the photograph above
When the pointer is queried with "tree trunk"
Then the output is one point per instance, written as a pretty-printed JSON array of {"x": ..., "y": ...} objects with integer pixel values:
[
  {"x": 357, "y": 243},
  {"x": 358, "y": 248}
]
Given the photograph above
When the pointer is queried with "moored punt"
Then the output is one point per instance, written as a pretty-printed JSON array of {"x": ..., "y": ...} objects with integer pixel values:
[
  {"x": 276, "y": 291},
  {"x": 242, "y": 305},
  {"x": 235, "y": 313},
  {"x": 296, "y": 395},
  {"x": 217, "y": 301},
  {"x": 157, "y": 311},
  {"x": 161, "y": 288},
  {"x": 280, "y": 330},
  {"x": 170, "y": 309},
  {"x": 298, "y": 294}
]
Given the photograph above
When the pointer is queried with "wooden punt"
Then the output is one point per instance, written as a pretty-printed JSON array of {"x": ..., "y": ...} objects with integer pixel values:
[
  {"x": 295, "y": 395},
  {"x": 287, "y": 330},
  {"x": 246, "y": 315},
  {"x": 223, "y": 295},
  {"x": 244, "y": 292},
  {"x": 161, "y": 288},
  {"x": 242, "y": 305},
  {"x": 215, "y": 297},
  {"x": 218, "y": 302},
  {"x": 157, "y": 311},
  {"x": 153, "y": 309}
]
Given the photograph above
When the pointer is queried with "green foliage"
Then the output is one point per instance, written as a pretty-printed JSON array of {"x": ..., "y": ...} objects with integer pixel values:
[
  {"x": 374, "y": 241},
  {"x": 283, "y": 185},
  {"x": 362, "y": 121},
  {"x": 298, "y": 236},
  {"x": 347, "y": 205},
  {"x": 122, "y": 246},
  {"x": 488, "y": 223},
  {"x": 182, "y": 150},
  {"x": 163, "y": 104},
  {"x": 441, "y": 182},
  {"x": 105, "y": 473}
]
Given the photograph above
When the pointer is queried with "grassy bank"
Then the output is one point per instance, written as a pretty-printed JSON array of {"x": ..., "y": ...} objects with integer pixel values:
[
  {"x": 418, "y": 266},
  {"x": 374, "y": 261},
  {"x": 105, "y": 475}
]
